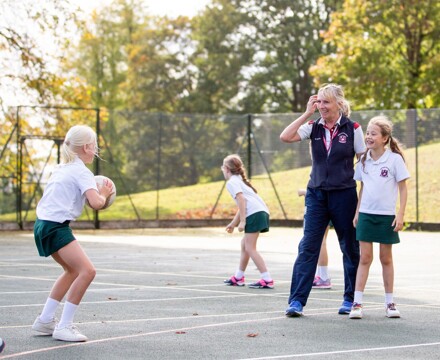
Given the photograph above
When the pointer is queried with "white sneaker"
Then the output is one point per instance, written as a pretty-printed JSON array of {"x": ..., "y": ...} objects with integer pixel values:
[
  {"x": 392, "y": 311},
  {"x": 44, "y": 328},
  {"x": 356, "y": 311},
  {"x": 69, "y": 333}
]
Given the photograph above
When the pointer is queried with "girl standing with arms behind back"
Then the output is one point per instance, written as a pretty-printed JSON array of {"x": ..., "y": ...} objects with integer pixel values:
[
  {"x": 70, "y": 184},
  {"x": 252, "y": 217},
  {"x": 383, "y": 173}
]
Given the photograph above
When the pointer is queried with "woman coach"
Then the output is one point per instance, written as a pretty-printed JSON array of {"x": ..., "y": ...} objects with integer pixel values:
[{"x": 331, "y": 191}]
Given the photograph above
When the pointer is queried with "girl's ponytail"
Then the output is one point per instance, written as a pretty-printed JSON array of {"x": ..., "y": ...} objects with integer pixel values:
[
  {"x": 77, "y": 136},
  {"x": 67, "y": 154},
  {"x": 396, "y": 147},
  {"x": 245, "y": 179}
]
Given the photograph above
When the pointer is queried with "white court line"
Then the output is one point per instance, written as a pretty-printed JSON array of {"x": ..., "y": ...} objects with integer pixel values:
[
  {"x": 175, "y": 318},
  {"x": 89, "y": 290},
  {"x": 16, "y": 263},
  {"x": 166, "y": 287},
  {"x": 110, "y": 302},
  {"x": 98, "y": 269},
  {"x": 27, "y": 278},
  {"x": 385, "y": 348},
  {"x": 310, "y": 312},
  {"x": 192, "y": 275},
  {"x": 123, "y": 337},
  {"x": 162, "y": 287}
]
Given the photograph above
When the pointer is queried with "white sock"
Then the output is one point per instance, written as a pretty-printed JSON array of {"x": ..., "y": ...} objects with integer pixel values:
[
  {"x": 266, "y": 276},
  {"x": 358, "y": 297},
  {"x": 49, "y": 309},
  {"x": 323, "y": 272},
  {"x": 239, "y": 274},
  {"x": 67, "y": 315},
  {"x": 388, "y": 298}
]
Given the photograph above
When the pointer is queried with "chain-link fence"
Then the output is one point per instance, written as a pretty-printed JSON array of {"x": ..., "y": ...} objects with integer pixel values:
[{"x": 167, "y": 166}]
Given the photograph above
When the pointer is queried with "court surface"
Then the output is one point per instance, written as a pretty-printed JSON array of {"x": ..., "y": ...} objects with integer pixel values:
[{"x": 159, "y": 294}]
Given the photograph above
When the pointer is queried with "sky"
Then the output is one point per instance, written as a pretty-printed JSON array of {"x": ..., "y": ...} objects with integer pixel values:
[{"x": 171, "y": 8}]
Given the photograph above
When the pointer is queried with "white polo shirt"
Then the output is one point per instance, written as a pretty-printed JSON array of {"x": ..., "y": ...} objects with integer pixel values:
[
  {"x": 254, "y": 203},
  {"x": 380, "y": 179},
  {"x": 305, "y": 130},
  {"x": 63, "y": 198}
]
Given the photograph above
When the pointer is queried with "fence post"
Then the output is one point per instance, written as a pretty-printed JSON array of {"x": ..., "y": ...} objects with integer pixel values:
[
  {"x": 159, "y": 159},
  {"x": 249, "y": 145},
  {"x": 416, "y": 144},
  {"x": 96, "y": 165},
  {"x": 19, "y": 172}
]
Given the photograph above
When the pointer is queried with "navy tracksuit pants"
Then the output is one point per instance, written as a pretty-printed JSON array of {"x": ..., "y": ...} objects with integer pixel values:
[{"x": 339, "y": 206}]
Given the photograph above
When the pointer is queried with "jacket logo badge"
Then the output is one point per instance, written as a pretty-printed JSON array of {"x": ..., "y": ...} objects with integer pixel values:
[{"x": 342, "y": 138}]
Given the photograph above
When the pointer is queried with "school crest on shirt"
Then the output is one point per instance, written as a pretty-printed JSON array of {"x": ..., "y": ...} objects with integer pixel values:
[
  {"x": 384, "y": 172},
  {"x": 342, "y": 137}
]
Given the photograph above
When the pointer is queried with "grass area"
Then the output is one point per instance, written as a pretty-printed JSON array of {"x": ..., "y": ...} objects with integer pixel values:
[{"x": 197, "y": 201}]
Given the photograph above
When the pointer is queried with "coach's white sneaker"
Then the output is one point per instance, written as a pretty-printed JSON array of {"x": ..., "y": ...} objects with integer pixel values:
[
  {"x": 69, "y": 333},
  {"x": 44, "y": 328},
  {"x": 392, "y": 311}
]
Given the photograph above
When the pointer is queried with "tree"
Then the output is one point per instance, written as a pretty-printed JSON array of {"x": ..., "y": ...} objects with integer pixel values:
[
  {"x": 221, "y": 54},
  {"x": 157, "y": 65},
  {"x": 387, "y": 53},
  {"x": 285, "y": 39},
  {"x": 32, "y": 35},
  {"x": 101, "y": 58}
]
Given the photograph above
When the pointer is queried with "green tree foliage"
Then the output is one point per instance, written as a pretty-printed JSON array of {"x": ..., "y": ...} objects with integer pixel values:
[
  {"x": 233, "y": 57},
  {"x": 157, "y": 65},
  {"x": 98, "y": 69},
  {"x": 157, "y": 80},
  {"x": 284, "y": 36},
  {"x": 387, "y": 53},
  {"x": 101, "y": 58},
  {"x": 236, "y": 56},
  {"x": 221, "y": 54}
]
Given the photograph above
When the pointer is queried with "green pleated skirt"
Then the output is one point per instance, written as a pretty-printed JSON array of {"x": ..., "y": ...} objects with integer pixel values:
[{"x": 376, "y": 228}]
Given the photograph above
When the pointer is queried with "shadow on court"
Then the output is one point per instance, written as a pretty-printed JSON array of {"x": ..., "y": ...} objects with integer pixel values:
[{"x": 159, "y": 294}]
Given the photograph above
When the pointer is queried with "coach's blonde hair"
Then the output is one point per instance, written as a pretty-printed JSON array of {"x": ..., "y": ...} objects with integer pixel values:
[
  {"x": 76, "y": 137},
  {"x": 335, "y": 91},
  {"x": 235, "y": 165}
]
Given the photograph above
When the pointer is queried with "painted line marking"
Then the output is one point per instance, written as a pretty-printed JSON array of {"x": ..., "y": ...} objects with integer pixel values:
[
  {"x": 385, "y": 348},
  {"x": 310, "y": 312},
  {"x": 124, "y": 337}
]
